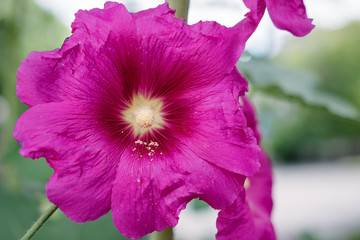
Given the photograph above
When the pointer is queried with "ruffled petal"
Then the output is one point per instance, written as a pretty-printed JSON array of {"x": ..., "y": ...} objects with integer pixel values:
[
  {"x": 249, "y": 216},
  {"x": 180, "y": 59},
  {"x": 150, "y": 192},
  {"x": 252, "y": 19},
  {"x": 98, "y": 23},
  {"x": 259, "y": 194},
  {"x": 75, "y": 71},
  {"x": 81, "y": 151},
  {"x": 287, "y": 15},
  {"x": 250, "y": 116},
  {"x": 235, "y": 221},
  {"x": 162, "y": 10},
  {"x": 290, "y": 15},
  {"x": 47, "y": 76},
  {"x": 220, "y": 134}
]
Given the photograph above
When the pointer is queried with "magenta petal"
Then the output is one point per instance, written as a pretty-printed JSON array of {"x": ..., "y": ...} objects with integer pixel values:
[
  {"x": 222, "y": 136},
  {"x": 250, "y": 115},
  {"x": 182, "y": 56},
  {"x": 147, "y": 195},
  {"x": 59, "y": 75},
  {"x": 249, "y": 216},
  {"x": 252, "y": 19},
  {"x": 80, "y": 152},
  {"x": 228, "y": 44},
  {"x": 98, "y": 23},
  {"x": 162, "y": 10},
  {"x": 46, "y": 76},
  {"x": 214, "y": 185},
  {"x": 236, "y": 221},
  {"x": 150, "y": 192},
  {"x": 290, "y": 15},
  {"x": 259, "y": 193}
]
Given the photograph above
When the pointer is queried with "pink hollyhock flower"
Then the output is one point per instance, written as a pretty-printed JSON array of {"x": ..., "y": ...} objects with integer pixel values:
[
  {"x": 249, "y": 216},
  {"x": 138, "y": 113},
  {"x": 287, "y": 15}
]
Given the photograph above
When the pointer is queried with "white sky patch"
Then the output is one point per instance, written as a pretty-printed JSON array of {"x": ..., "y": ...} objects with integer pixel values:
[
  {"x": 267, "y": 40},
  {"x": 333, "y": 14},
  {"x": 328, "y": 14}
]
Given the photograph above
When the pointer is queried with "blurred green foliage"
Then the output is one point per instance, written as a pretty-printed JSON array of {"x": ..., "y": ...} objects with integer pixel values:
[
  {"x": 308, "y": 97},
  {"x": 334, "y": 56}
]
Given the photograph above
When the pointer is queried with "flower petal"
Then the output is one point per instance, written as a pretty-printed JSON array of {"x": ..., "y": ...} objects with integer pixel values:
[
  {"x": 70, "y": 73},
  {"x": 290, "y": 16},
  {"x": 249, "y": 216},
  {"x": 252, "y": 19},
  {"x": 47, "y": 76},
  {"x": 287, "y": 15},
  {"x": 81, "y": 151},
  {"x": 259, "y": 194},
  {"x": 235, "y": 221},
  {"x": 162, "y": 10},
  {"x": 179, "y": 58},
  {"x": 220, "y": 133},
  {"x": 250, "y": 116},
  {"x": 150, "y": 192}
]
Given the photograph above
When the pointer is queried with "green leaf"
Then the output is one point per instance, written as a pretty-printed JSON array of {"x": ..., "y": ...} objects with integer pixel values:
[{"x": 296, "y": 86}]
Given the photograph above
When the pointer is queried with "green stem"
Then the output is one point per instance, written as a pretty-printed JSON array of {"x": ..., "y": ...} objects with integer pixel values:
[
  {"x": 181, "y": 7},
  {"x": 167, "y": 234},
  {"x": 37, "y": 225}
]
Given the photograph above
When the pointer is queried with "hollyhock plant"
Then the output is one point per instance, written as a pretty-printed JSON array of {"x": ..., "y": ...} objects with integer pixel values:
[
  {"x": 138, "y": 113},
  {"x": 287, "y": 15},
  {"x": 249, "y": 216}
]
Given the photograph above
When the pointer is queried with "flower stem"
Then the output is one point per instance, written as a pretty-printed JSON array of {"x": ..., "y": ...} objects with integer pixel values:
[
  {"x": 37, "y": 225},
  {"x": 181, "y": 7},
  {"x": 167, "y": 234}
]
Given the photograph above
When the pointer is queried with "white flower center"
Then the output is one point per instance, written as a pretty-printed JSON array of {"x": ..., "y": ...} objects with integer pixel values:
[
  {"x": 145, "y": 118},
  {"x": 144, "y": 114}
]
